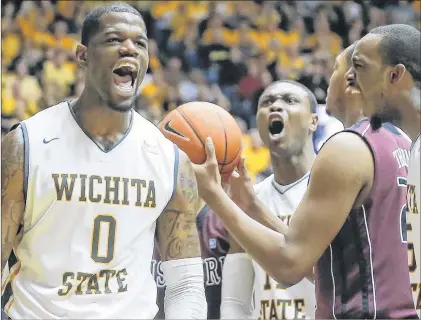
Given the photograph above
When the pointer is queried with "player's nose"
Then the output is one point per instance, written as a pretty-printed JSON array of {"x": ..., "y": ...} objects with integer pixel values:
[
  {"x": 276, "y": 106},
  {"x": 128, "y": 49},
  {"x": 350, "y": 77}
]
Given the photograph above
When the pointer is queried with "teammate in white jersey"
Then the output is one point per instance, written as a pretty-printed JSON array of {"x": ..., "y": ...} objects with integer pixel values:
[
  {"x": 387, "y": 65},
  {"x": 89, "y": 182},
  {"x": 281, "y": 193},
  {"x": 413, "y": 222}
]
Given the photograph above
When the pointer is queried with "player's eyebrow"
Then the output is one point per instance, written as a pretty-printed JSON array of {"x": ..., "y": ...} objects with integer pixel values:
[
  {"x": 357, "y": 59},
  {"x": 115, "y": 32}
]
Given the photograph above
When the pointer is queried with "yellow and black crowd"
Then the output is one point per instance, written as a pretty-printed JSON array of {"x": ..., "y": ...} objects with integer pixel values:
[{"x": 223, "y": 52}]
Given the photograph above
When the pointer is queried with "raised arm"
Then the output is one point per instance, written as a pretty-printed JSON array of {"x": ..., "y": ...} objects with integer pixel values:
[
  {"x": 12, "y": 194},
  {"x": 341, "y": 171},
  {"x": 179, "y": 247}
]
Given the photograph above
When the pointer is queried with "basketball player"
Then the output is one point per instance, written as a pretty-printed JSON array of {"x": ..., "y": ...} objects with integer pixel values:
[
  {"x": 214, "y": 244},
  {"x": 350, "y": 223},
  {"x": 343, "y": 99},
  {"x": 387, "y": 66},
  {"x": 281, "y": 192},
  {"x": 89, "y": 181}
]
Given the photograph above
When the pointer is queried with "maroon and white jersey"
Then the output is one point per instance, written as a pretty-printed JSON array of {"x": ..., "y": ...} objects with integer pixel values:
[{"x": 364, "y": 271}]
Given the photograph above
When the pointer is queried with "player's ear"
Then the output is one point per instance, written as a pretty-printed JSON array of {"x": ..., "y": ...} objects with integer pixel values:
[
  {"x": 397, "y": 73},
  {"x": 314, "y": 122},
  {"x": 82, "y": 55}
]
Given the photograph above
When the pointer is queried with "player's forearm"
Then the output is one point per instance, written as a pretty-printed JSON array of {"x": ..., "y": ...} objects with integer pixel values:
[
  {"x": 261, "y": 214},
  {"x": 261, "y": 243}
]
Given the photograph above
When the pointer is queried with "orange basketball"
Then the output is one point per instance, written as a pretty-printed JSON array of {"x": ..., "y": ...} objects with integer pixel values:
[{"x": 190, "y": 124}]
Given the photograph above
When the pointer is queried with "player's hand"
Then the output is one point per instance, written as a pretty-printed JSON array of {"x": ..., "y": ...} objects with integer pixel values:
[
  {"x": 207, "y": 174},
  {"x": 241, "y": 187}
]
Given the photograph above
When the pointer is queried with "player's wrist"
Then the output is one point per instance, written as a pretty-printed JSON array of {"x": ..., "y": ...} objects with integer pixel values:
[
  {"x": 253, "y": 209},
  {"x": 211, "y": 192}
]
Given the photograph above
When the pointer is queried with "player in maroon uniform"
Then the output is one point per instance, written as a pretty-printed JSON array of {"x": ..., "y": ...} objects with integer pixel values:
[
  {"x": 214, "y": 245},
  {"x": 387, "y": 66},
  {"x": 350, "y": 223}
]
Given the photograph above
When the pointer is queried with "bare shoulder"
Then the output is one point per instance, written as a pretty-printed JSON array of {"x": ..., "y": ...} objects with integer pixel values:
[
  {"x": 344, "y": 159},
  {"x": 345, "y": 149},
  {"x": 176, "y": 227}
]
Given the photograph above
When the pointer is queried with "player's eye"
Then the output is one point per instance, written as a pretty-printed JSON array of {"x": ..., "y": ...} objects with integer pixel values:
[
  {"x": 291, "y": 100},
  {"x": 266, "y": 102},
  {"x": 141, "y": 44},
  {"x": 111, "y": 40}
]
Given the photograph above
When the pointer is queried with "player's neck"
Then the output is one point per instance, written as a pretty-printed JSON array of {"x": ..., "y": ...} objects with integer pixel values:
[
  {"x": 409, "y": 112},
  {"x": 98, "y": 120},
  {"x": 353, "y": 116},
  {"x": 290, "y": 168},
  {"x": 410, "y": 124}
]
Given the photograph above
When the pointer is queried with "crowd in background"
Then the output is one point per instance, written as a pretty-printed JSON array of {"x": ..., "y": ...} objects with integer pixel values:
[{"x": 223, "y": 52}]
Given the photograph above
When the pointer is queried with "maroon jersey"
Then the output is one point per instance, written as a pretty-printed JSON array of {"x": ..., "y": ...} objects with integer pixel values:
[
  {"x": 214, "y": 247},
  {"x": 364, "y": 272}
]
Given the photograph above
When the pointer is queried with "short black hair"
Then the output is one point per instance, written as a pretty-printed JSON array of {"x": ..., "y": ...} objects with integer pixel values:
[
  {"x": 401, "y": 43},
  {"x": 91, "y": 23},
  {"x": 310, "y": 95}
]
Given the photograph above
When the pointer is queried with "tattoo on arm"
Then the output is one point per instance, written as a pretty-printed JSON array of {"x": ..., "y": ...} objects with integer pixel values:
[
  {"x": 177, "y": 233},
  {"x": 13, "y": 204}
]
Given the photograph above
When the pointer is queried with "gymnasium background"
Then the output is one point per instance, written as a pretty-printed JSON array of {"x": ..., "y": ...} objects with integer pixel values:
[{"x": 223, "y": 52}]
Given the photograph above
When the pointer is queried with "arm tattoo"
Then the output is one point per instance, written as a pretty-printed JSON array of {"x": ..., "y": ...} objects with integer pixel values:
[
  {"x": 176, "y": 237},
  {"x": 13, "y": 204},
  {"x": 177, "y": 231},
  {"x": 189, "y": 185}
]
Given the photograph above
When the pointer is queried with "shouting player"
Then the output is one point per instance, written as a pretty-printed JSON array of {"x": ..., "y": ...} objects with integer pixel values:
[
  {"x": 350, "y": 223},
  {"x": 387, "y": 66},
  {"x": 89, "y": 181},
  {"x": 214, "y": 245},
  {"x": 281, "y": 193}
]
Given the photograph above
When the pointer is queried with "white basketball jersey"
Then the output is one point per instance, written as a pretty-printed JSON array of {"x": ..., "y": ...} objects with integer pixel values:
[
  {"x": 90, "y": 220},
  {"x": 413, "y": 223},
  {"x": 271, "y": 301}
]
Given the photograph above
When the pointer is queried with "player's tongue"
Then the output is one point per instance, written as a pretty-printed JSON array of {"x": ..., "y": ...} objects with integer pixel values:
[{"x": 123, "y": 81}]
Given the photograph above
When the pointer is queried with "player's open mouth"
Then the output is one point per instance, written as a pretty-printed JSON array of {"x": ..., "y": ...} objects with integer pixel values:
[
  {"x": 125, "y": 76},
  {"x": 276, "y": 125}
]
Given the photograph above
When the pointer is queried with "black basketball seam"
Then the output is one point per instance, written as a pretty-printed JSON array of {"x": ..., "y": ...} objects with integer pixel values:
[
  {"x": 226, "y": 143},
  {"x": 239, "y": 150},
  {"x": 188, "y": 122}
]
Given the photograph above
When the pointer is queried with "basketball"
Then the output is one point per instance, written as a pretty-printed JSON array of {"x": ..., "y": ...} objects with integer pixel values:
[{"x": 190, "y": 124}]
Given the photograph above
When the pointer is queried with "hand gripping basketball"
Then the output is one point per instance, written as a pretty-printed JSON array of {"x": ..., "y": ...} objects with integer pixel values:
[{"x": 207, "y": 174}]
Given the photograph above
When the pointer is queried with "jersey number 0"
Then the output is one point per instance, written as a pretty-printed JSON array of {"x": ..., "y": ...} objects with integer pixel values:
[{"x": 102, "y": 222}]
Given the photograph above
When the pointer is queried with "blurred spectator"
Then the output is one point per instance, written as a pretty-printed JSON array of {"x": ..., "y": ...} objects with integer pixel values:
[
  {"x": 257, "y": 155},
  {"x": 224, "y": 52},
  {"x": 59, "y": 71}
]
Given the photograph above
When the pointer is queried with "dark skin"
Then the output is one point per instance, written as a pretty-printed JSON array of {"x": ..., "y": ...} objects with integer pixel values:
[
  {"x": 291, "y": 157},
  {"x": 12, "y": 199},
  {"x": 105, "y": 115},
  {"x": 293, "y": 154},
  {"x": 290, "y": 252},
  {"x": 344, "y": 99},
  {"x": 102, "y": 111},
  {"x": 388, "y": 91},
  {"x": 176, "y": 227}
]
